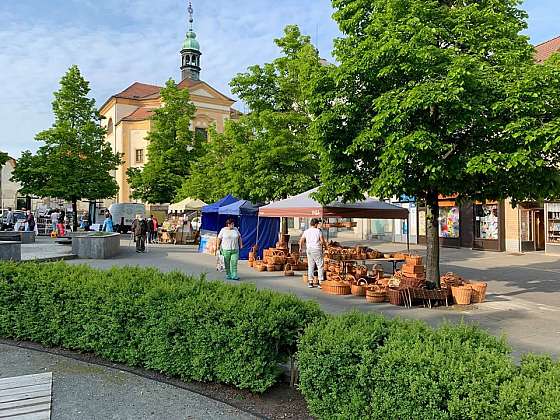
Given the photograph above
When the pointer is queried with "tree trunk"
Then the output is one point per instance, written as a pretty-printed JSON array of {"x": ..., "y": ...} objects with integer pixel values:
[
  {"x": 74, "y": 215},
  {"x": 432, "y": 238}
]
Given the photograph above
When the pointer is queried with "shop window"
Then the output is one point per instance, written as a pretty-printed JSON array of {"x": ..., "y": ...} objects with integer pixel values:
[
  {"x": 290, "y": 222},
  {"x": 449, "y": 222},
  {"x": 486, "y": 224},
  {"x": 553, "y": 223},
  {"x": 526, "y": 227},
  {"x": 201, "y": 132},
  {"x": 139, "y": 155}
]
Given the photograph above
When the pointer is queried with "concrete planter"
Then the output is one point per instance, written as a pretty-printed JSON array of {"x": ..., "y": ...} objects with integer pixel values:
[
  {"x": 10, "y": 251},
  {"x": 96, "y": 246},
  {"x": 18, "y": 236}
]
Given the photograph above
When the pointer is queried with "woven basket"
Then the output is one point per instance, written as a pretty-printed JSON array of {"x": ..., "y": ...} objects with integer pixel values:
[
  {"x": 358, "y": 289},
  {"x": 288, "y": 273},
  {"x": 461, "y": 294},
  {"x": 413, "y": 260},
  {"x": 375, "y": 296},
  {"x": 478, "y": 292},
  {"x": 270, "y": 267},
  {"x": 412, "y": 282},
  {"x": 395, "y": 297},
  {"x": 260, "y": 267},
  {"x": 336, "y": 288},
  {"x": 250, "y": 263}
]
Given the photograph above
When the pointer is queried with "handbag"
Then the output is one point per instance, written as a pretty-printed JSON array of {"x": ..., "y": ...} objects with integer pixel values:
[{"x": 220, "y": 262}]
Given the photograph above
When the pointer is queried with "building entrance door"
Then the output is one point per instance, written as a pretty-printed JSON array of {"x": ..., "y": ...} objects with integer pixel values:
[{"x": 538, "y": 217}]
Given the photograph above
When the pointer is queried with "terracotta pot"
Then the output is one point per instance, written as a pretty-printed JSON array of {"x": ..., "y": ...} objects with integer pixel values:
[
  {"x": 478, "y": 291},
  {"x": 461, "y": 294}
]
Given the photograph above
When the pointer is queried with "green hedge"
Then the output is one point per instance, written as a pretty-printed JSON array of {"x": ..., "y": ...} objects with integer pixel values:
[
  {"x": 182, "y": 326},
  {"x": 365, "y": 366}
]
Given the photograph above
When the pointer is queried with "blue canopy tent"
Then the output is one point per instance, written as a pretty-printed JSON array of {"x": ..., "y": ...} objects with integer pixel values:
[
  {"x": 210, "y": 215},
  {"x": 254, "y": 230}
]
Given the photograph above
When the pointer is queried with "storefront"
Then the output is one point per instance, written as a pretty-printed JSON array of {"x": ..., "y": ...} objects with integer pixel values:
[
  {"x": 489, "y": 226},
  {"x": 552, "y": 227},
  {"x": 468, "y": 224},
  {"x": 409, "y": 226},
  {"x": 532, "y": 227}
]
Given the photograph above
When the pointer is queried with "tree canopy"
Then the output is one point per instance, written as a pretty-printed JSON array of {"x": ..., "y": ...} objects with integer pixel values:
[
  {"x": 172, "y": 146},
  {"x": 75, "y": 161},
  {"x": 3, "y": 157},
  {"x": 435, "y": 97},
  {"x": 267, "y": 154}
]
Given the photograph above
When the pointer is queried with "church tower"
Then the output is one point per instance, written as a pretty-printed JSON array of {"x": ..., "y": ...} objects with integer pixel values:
[{"x": 190, "y": 53}]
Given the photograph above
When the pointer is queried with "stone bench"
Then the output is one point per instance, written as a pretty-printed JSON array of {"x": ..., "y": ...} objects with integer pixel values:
[
  {"x": 18, "y": 236},
  {"x": 95, "y": 245},
  {"x": 10, "y": 250}
]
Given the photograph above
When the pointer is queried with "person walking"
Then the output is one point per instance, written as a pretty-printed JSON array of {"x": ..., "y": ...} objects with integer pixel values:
[
  {"x": 10, "y": 219},
  {"x": 54, "y": 220},
  {"x": 229, "y": 244},
  {"x": 108, "y": 222},
  {"x": 155, "y": 225},
  {"x": 314, "y": 244},
  {"x": 30, "y": 222},
  {"x": 139, "y": 229}
]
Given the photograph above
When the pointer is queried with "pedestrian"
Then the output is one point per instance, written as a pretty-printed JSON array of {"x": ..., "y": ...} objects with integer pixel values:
[
  {"x": 10, "y": 219},
  {"x": 150, "y": 229},
  {"x": 155, "y": 224},
  {"x": 30, "y": 222},
  {"x": 108, "y": 222},
  {"x": 139, "y": 229},
  {"x": 314, "y": 243},
  {"x": 85, "y": 221},
  {"x": 229, "y": 244},
  {"x": 54, "y": 220}
]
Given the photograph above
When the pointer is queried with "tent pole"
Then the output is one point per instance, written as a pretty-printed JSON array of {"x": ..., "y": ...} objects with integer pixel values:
[
  {"x": 408, "y": 232},
  {"x": 258, "y": 223}
]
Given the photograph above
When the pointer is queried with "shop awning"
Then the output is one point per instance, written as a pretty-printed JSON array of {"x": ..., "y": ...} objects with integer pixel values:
[
  {"x": 303, "y": 205},
  {"x": 188, "y": 204}
]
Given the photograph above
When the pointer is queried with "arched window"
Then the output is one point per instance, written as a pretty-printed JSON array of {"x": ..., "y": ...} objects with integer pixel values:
[{"x": 110, "y": 126}]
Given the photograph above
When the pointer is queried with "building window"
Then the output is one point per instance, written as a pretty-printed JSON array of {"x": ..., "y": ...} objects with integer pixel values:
[
  {"x": 139, "y": 155},
  {"x": 201, "y": 133},
  {"x": 110, "y": 126},
  {"x": 449, "y": 222},
  {"x": 486, "y": 221}
]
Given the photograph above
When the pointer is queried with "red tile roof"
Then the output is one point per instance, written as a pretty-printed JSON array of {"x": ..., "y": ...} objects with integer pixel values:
[
  {"x": 138, "y": 91},
  {"x": 140, "y": 114},
  {"x": 546, "y": 49}
]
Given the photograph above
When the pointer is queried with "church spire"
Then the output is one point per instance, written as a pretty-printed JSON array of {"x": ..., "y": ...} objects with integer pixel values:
[{"x": 190, "y": 53}]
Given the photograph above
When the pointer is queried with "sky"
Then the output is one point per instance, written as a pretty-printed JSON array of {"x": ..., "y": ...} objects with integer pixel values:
[{"x": 116, "y": 43}]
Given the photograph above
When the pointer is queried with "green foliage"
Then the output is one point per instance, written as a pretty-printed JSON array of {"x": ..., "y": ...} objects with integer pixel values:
[
  {"x": 75, "y": 161},
  {"x": 3, "y": 158},
  {"x": 172, "y": 146},
  {"x": 268, "y": 154},
  {"x": 435, "y": 97},
  {"x": 364, "y": 366},
  {"x": 169, "y": 322}
]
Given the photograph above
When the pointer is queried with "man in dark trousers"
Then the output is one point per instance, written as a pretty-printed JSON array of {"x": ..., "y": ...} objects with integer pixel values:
[{"x": 140, "y": 229}]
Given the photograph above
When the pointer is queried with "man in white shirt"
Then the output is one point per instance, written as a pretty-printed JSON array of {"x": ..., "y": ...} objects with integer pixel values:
[
  {"x": 54, "y": 219},
  {"x": 315, "y": 242}
]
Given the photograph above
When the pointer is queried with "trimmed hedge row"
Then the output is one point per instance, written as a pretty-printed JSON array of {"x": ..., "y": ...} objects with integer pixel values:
[
  {"x": 183, "y": 326},
  {"x": 365, "y": 366}
]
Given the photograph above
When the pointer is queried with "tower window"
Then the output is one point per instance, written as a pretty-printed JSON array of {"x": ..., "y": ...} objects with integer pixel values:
[{"x": 139, "y": 155}]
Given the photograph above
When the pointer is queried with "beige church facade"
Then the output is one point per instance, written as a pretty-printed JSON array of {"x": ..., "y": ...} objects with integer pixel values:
[{"x": 127, "y": 114}]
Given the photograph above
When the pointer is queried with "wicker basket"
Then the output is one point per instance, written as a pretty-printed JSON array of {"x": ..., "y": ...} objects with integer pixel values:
[
  {"x": 395, "y": 296},
  {"x": 260, "y": 267},
  {"x": 336, "y": 288},
  {"x": 413, "y": 260},
  {"x": 358, "y": 289},
  {"x": 288, "y": 273},
  {"x": 250, "y": 263},
  {"x": 461, "y": 294},
  {"x": 412, "y": 282},
  {"x": 375, "y": 296},
  {"x": 478, "y": 291}
]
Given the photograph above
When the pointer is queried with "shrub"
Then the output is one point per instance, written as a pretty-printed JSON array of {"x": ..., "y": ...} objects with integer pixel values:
[
  {"x": 173, "y": 323},
  {"x": 363, "y": 366}
]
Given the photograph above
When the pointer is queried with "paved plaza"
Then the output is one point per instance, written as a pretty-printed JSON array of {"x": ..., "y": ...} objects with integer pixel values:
[{"x": 523, "y": 300}]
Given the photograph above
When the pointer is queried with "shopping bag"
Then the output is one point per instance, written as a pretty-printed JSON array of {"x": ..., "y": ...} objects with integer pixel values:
[{"x": 220, "y": 263}]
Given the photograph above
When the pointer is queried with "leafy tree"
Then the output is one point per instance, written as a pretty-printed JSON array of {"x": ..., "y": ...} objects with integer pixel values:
[
  {"x": 436, "y": 97},
  {"x": 267, "y": 154},
  {"x": 3, "y": 158},
  {"x": 75, "y": 161},
  {"x": 172, "y": 146}
]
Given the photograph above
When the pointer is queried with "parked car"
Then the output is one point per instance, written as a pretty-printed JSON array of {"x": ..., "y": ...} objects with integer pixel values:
[
  {"x": 123, "y": 215},
  {"x": 18, "y": 214}
]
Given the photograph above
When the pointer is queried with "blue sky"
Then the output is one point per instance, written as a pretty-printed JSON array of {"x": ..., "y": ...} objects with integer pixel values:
[{"x": 117, "y": 42}]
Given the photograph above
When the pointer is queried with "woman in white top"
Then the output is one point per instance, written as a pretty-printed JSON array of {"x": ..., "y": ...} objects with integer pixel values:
[
  {"x": 229, "y": 244},
  {"x": 314, "y": 241}
]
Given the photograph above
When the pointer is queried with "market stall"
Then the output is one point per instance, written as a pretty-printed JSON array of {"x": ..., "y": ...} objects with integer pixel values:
[
  {"x": 253, "y": 229},
  {"x": 188, "y": 225},
  {"x": 211, "y": 222}
]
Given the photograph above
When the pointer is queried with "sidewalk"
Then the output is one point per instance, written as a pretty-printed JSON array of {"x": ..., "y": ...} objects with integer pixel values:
[
  {"x": 523, "y": 290},
  {"x": 86, "y": 391}
]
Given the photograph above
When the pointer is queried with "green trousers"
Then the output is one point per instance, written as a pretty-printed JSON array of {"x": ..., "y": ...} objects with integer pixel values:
[{"x": 231, "y": 256}]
